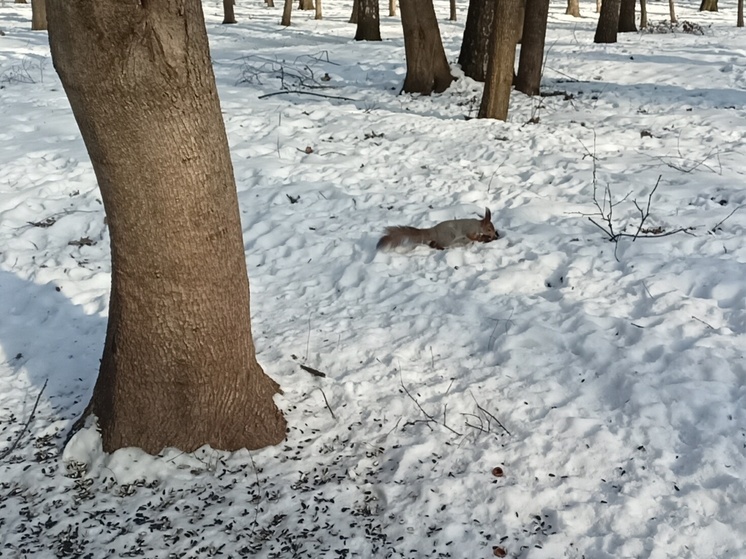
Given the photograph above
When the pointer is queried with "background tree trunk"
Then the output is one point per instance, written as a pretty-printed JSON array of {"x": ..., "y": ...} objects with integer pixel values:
[
  {"x": 598, "y": 6},
  {"x": 672, "y": 11},
  {"x": 573, "y": 8},
  {"x": 392, "y": 8},
  {"x": 739, "y": 21},
  {"x": 368, "y": 21},
  {"x": 532, "y": 47},
  {"x": 355, "y": 11},
  {"x": 20, "y": 2},
  {"x": 270, "y": 3},
  {"x": 452, "y": 14},
  {"x": 318, "y": 15},
  {"x": 306, "y": 5},
  {"x": 287, "y": 10},
  {"x": 708, "y": 6},
  {"x": 228, "y": 15},
  {"x": 497, "y": 86},
  {"x": 627, "y": 17},
  {"x": 427, "y": 66},
  {"x": 643, "y": 14},
  {"x": 179, "y": 367},
  {"x": 38, "y": 15},
  {"x": 608, "y": 22},
  {"x": 475, "y": 45}
]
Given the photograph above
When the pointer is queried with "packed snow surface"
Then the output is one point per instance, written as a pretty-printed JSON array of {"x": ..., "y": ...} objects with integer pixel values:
[{"x": 553, "y": 393}]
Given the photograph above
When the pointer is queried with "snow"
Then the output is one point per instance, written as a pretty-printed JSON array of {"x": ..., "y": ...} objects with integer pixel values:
[{"x": 606, "y": 381}]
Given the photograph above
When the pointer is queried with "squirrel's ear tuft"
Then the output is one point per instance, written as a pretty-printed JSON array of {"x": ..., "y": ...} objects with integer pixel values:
[{"x": 487, "y": 215}]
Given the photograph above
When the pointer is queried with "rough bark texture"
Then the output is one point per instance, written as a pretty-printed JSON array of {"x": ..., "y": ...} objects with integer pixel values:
[
  {"x": 38, "y": 15},
  {"x": 643, "y": 14},
  {"x": 306, "y": 5},
  {"x": 708, "y": 6},
  {"x": 496, "y": 97},
  {"x": 452, "y": 10},
  {"x": 318, "y": 14},
  {"x": 627, "y": 17},
  {"x": 427, "y": 66},
  {"x": 532, "y": 47},
  {"x": 287, "y": 10},
  {"x": 475, "y": 45},
  {"x": 355, "y": 11},
  {"x": 228, "y": 15},
  {"x": 179, "y": 368},
  {"x": 608, "y": 22},
  {"x": 739, "y": 21},
  {"x": 368, "y": 21},
  {"x": 573, "y": 8}
]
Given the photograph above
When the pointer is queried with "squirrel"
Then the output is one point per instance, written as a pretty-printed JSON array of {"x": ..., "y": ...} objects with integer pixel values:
[{"x": 455, "y": 232}]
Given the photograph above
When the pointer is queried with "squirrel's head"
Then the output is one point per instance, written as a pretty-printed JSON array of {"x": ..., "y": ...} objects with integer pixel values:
[{"x": 488, "y": 232}]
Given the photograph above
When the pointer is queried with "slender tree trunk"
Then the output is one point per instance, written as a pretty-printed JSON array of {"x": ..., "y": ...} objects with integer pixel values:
[
  {"x": 739, "y": 21},
  {"x": 38, "y": 15},
  {"x": 392, "y": 8},
  {"x": 355, "y": 11},
  {"x": 496, "y": 96},
  {"x": 672, "y": 11},
  {"x": 427, "y": 66},
  {"x": 452, "y": 15},
  {"x": 532, "y": 47},
  {"x": 643, "y": 14},
  {"x": 368, "y": 21},
  {"x": 318, "y": 14},
  {"x": 573, "y": 8},
  {"x": 608, "y": 22},
  {"x": 287, "y": 10},
  {"x": 228, "y": 15},
  {"x": 598, "y": 6},
  {"x": 708, "y": 6},
  {"x": 306, "y": 5},
  {"x": 179, "y": 367},
  {"x": 475, "y": 45},
  {"x": 627, "y": 17},
  {"x": 270, "y": 3}
]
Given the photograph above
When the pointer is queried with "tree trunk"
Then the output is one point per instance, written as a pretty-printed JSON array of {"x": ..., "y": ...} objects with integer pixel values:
[
  {"x": 38, "y": 15},
  {"x": 672, "y": 11},
  {"x": 392, "y": 8},
  {"x": 20, "y": 2},
  {"x": 179, "y": 367},
  {"x": 532, "y": 47},
  {"x": 318, "y": 15},
  {"x": 287, "y": 9},
  {"x": 598, "y": 6},
  {"x": 573, "y": 8},
  {"x": 228, "y": 15},
  {"x": 475, "y": 45},
  {"x": 306, "y": 5},
  {"x": 496, "y": 96},
  {"x": 368, "y": 21},
  {"x": 427, "y": 66},
  {"x": 643, "y": 14},
  {"x": 270, "y": 3},
  {"x": 608, "y": 22},
  {"x": 708, "y": 6},
  {"x": 627, "y": 17},
  {"x": 452, "y": 15},
  {"x": 355, "y": 11},
  {"x": 739, "y": 21}
]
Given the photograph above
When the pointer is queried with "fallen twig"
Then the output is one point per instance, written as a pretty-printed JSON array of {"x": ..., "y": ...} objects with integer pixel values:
[
  {"x": 12, "y": 447},
  {"x": 299, "y": 92},
  {"x": 311, "y": 370}
]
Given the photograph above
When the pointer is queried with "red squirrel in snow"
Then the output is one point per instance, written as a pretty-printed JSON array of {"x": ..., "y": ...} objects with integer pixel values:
[{"x": 455, "y": 232}]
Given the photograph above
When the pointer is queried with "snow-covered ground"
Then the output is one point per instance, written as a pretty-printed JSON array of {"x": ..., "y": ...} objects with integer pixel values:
[{"x": 606, "y": 382}]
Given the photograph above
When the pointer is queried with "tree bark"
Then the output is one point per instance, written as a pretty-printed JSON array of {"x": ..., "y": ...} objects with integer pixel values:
[
  {"x": 739, "y": 20},
  {"x": 643, "y": 14},
  {"x": 627, "y": 17},
  {"x": 496, "y": 96},
  {"x": 38, "y": 15},
  {"x": 608, "y": 22},
  {"x": 228, "y": 14},
  {"x": 475, "y": 45},
  {"x": 427, "y": 66},
  {"x": 708, "y": 6},
  {"x": 532, "y": 47},
  {"x": 355, "y": 11},
  {"x": 287, "y": 10},
  {"x": 392, "y": 8},
  {"x": 270, "y": 3},
  {"x": 672, "y": 11},
  {"x": 179, "y": 366},
  {"x": 452, "y": 14},
  {"x": 368, "y": 21},
  {"x": 306, "y": 5},
  {"x": 318, "y": 14},
  {"x": 573, "y": 8},
  {"x": 598, "y": 6}
]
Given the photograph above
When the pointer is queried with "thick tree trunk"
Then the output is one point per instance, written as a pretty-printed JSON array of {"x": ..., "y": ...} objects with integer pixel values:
[
  {"x": 368, "y": 21},
  {"x": 452, "y": 14},
  {"x": 496, "y": 96},
  {"x": 392, "y": 8},
  {"x": 427, "y": 66},
  {"x": 179, "y": 367},
  {"x": 318, "y": 14},
  {"x": 573, "y": 8},
  {"x": 739, "y": 21},
  {"x": 38, "y": 15},
  {"x": 608, "y": 22},
  {"x": 672, "y": 11},
  {"x": 643, "y": 14},
  {"x": 708, "y": 6},
  {"x": 306, "y": 5},
  {"x": 355, "y": 11},
  {"x": 475, "y": 45},
  {"x": 627, "y": 17},
  {"x": 228, "y": 15},
  {"x": 287, "y": 10},
  {"x": 532, "y": 47}
]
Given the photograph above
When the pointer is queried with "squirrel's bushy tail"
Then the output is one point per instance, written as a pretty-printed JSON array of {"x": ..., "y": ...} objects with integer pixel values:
[{"x": 402, "y": 235}]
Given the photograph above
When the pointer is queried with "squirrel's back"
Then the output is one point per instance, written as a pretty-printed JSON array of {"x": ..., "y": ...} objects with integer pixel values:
[{"x": 401, "y": 235}]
